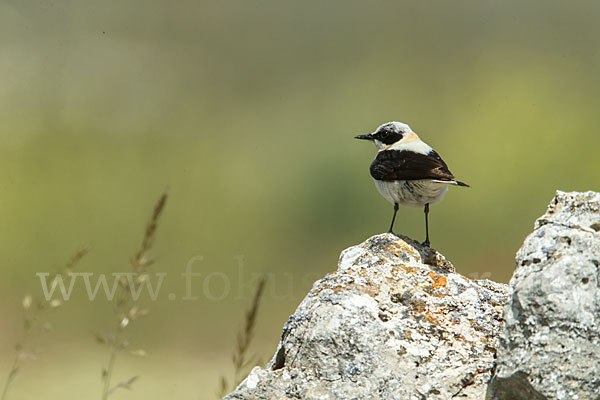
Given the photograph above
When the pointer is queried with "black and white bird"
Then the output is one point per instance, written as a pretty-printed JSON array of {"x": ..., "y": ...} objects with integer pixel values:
[{"x": 407, "y": 171}]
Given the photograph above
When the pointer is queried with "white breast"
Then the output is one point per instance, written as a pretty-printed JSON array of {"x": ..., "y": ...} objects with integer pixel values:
[{"x": 415, "y": 193}]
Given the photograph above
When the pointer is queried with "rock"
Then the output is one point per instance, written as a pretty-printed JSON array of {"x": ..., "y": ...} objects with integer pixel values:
[
  {"x": 550, "y": 345},
  {"x": 394, "y": 322}
]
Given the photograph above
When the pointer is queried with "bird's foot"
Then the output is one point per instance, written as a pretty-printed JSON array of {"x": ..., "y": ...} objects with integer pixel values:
[
  {"x": 426, "y": 243},
  {"x": 393, "y": 233}
]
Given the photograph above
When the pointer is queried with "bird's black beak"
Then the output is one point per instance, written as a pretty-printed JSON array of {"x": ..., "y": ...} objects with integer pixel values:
[{"x": 364, "y": 137}]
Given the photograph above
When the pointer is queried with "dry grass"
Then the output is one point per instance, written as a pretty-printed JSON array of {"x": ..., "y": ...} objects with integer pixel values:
[
  {"x": 241, "y": 360},
  {"x": 126, "y": 311},
  {"x": 35, "y": 311}
]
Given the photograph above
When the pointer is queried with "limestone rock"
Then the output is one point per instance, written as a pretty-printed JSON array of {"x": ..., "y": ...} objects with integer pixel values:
[
  {"x": 394, "y": 322},
  {"x": 550, "y": 345}
]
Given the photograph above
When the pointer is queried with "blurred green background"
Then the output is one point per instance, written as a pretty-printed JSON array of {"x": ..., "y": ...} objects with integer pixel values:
[{"x": 246, "y": 111}]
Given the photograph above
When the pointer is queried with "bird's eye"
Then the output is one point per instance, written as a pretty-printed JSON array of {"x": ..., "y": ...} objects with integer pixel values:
[{"x": 384, "y": 134}]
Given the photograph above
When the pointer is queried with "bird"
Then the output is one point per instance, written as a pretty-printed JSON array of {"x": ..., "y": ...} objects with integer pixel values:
[{"x": 407, "y": 171}]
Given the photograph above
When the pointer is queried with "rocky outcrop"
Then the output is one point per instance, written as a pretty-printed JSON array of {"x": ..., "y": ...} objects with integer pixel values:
[
  {"x": 394, "y": 322},
  {"x": 550, "y": 345},
  {"x": 397, "y": 322}
]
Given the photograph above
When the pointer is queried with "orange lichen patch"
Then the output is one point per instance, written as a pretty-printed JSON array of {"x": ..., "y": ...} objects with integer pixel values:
[
  {"x": 431, "y": 318},
  {"x": 336, "y": 289},
  {"x": 371, "y": 290},
  {"x": 417, "y": 307},
  {"x": 400, "y": 249},
  {"x": 397, "y": 270},
  {"x": 438, "y": 280},
  {"x": 440, "y": 317}
]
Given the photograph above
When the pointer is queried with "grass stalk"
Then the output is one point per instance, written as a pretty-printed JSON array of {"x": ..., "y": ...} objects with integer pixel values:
[
  {"x": 33, "y": 318},
  {"x": 240, "y": 358},
  {"x": 125, "y": 309}
]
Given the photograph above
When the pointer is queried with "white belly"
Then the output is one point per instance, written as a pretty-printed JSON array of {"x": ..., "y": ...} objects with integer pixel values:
[{"x": 414, "y": 193}]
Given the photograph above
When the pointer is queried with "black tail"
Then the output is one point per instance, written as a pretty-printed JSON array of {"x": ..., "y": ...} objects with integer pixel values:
[{"x": 459, "y": 183}]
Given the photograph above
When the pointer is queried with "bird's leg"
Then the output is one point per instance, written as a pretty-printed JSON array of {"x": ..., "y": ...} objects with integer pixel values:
[
  {"x": 426, "y": 242},
  {"x": 393, "y": 219}
]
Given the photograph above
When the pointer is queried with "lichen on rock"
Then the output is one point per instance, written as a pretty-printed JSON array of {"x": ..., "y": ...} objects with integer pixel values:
[
  {"x": 397, "y": 322},
  {"x": 550, "y": 345},
  {"x": 394, "y": 322}
]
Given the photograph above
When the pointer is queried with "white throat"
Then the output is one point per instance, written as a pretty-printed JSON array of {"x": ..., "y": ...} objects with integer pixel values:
[{"x": 379, "y": 145}]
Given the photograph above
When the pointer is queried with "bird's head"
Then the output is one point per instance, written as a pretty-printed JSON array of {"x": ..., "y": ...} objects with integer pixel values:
[{"x": 387, "y": 134}]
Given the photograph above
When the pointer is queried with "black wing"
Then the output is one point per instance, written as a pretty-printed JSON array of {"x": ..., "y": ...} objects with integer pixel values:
[{"x": 403, "y": 165}]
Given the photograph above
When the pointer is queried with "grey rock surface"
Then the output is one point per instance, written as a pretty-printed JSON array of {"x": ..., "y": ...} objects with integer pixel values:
[
  {"x": 394, "y": 322},
  {"x": 550, "y": 345}
]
